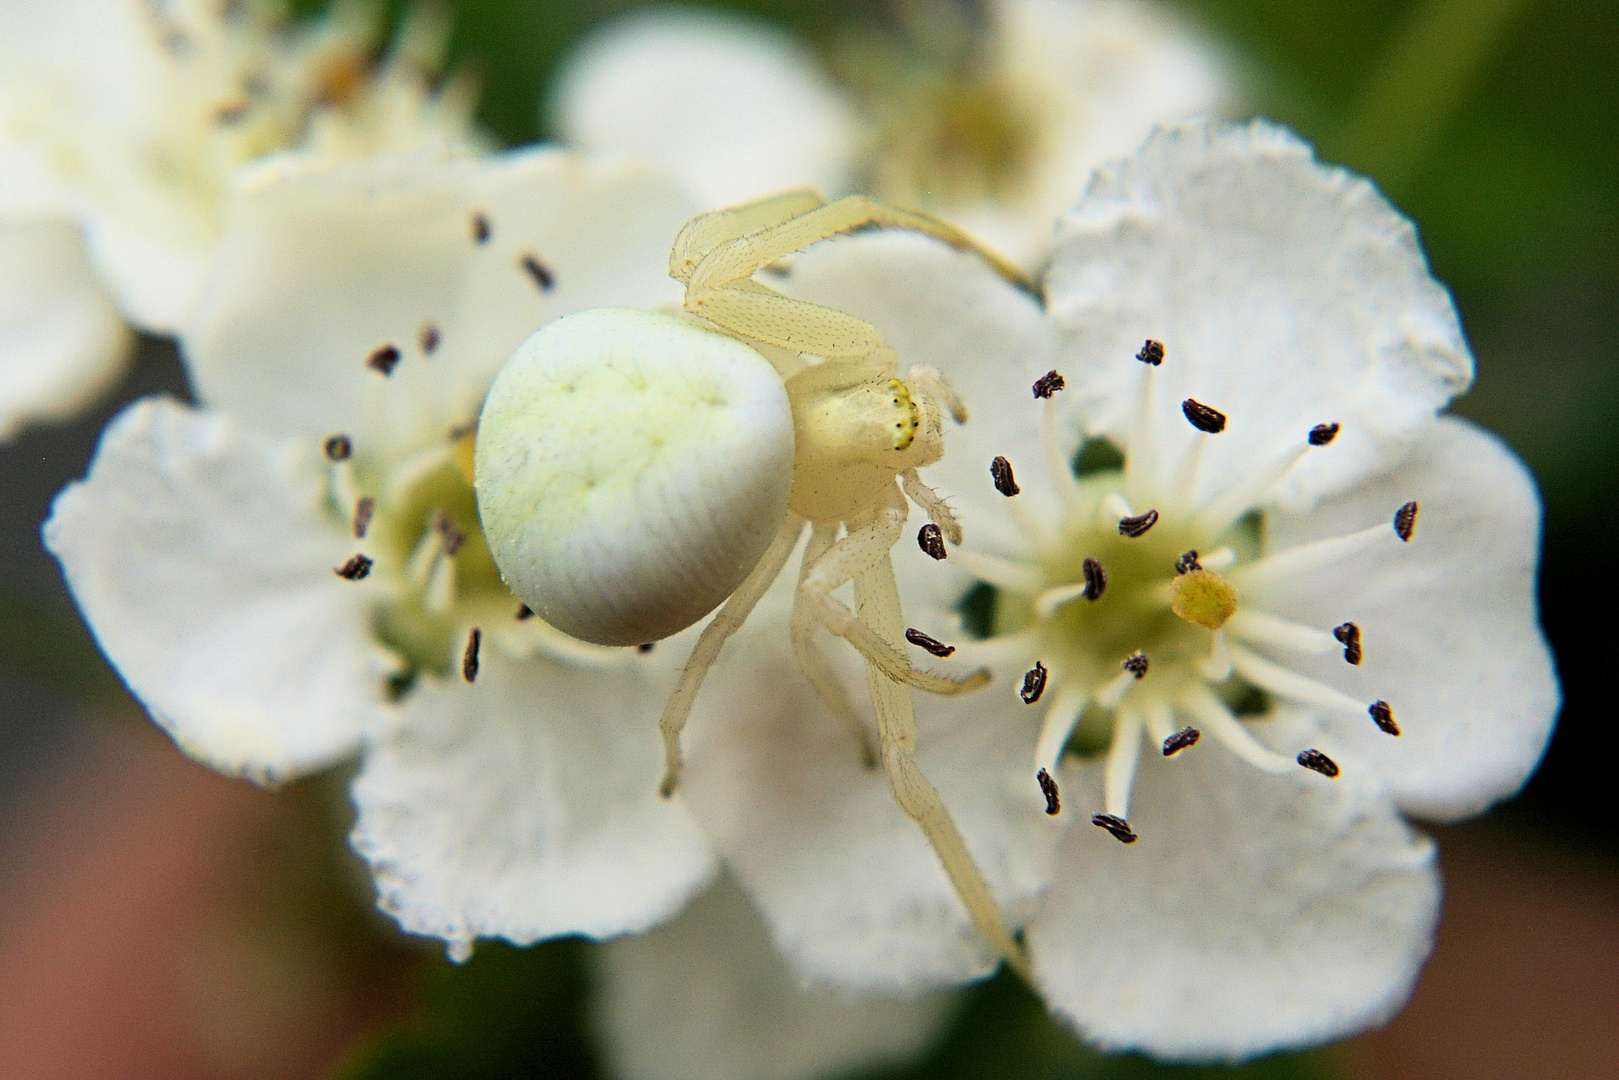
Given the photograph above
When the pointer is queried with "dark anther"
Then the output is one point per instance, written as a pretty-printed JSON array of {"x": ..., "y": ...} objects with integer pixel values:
[
  {"x": 1048, "y": 788},
  {"x": 1048, "y": 384},
  {"x": 383, "y": 359},
  {"x": 1135, "y": 526},
  {"x": 362, "y": 515},
  {"x": 1119, "y": 827},
  {"x": 1202, "y": 417},
  {"x": 1095, "y": 579},
  {"x": 1322, "y": 434},
  {"x": 1348, "y": 636},
  {"x": 339, "y": 447},
  {"x": 453, "y": 537},
  {"x": 1034, "y": 683},
  {"x": 645, "y": 647},
  {"x": 428, "y": 338},
  {"x": 1187, "y": 562},
  {"x": 480, "y": 228},
  {"x": 1186, "y": 736},
  {"x": 1136, "y": 664},
  {"x": 922, "y": 641},
  {"x": 1405, "y": 519},
  {"x": 524, "y": 612},
  {"x": 1383, "y": 717},
  {"x": 931, "y": 541},
  {"x": 356, "y": 568},
  {"x": 469, "y": 659},
  {"x": 1316, "y": 761},
  {"x": 462, "y": 430},
  {"x": 233, "y": 113},
  {"x": 1151, "y": 353},
  {"x": 539, "y": 272},
  {"x": 1000, "y": 470}
]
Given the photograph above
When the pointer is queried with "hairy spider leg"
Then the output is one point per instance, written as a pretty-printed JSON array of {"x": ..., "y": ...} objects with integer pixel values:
[{"x": 810, "y": 658}]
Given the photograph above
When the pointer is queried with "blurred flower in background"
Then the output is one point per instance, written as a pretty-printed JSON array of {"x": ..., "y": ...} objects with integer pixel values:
[
  {"x": 122, "y": 125},
  {"x": 991, "y": 117}
]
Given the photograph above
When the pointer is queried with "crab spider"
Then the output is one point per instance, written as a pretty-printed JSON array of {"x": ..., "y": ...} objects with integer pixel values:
[{"x": 634, "y": 469}]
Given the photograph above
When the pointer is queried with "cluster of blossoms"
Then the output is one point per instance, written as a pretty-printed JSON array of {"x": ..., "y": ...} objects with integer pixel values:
[{"x": 1206, "y": 499}]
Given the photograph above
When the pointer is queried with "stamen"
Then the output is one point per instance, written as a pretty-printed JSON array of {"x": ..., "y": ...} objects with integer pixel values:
[
  {"x": 1095, "y": 579},
  {"x": 445, "y": 526},
  {"x": 480, "y": 228},
  {"x": 1383, "y": 717},
  {"x": 1138, "y": 525},
  {"x": 1160, "y": 718},
  {"x": 1000, "y": 470},
  {"x": 928, "y": 644},
  {"x": 1218, "y": 720},
  {"x": 1216, "y": 667},
  {"x": 1405, "y": 520},
  {"x": 539, "y": 272},
  {"x": 1151, "y": 353},
  {"x": 1349, "y": 635},
  {"x": 1186, "y": 736},
  {"x": 1048, "y": 788},
  {"x": 1047, "y": 603},
  {"x": 1322, "y": 434},
  {"x": 362, "y": 515},
  {"x": 1202, "y": 417},
  {"x": 438, "y": 596},
  {"x": 1113, "y": 505},
  {"x": 469, "y": 658},
  {"x": 339, "y": 447},
  {"x": 1048, "y": 384},
  {"x": 1034, "y": 683},
  {"x": 1316, "y": 761},
  {"x": 1136, "y": 664},
  {"x": 1218, "y": 513},
  {"x": 1290, "y": 684},
  {"x": 931, "y": 541},
  {"x": 356, "y": 568},
  {"x": 1221, "y": 558},
  {"x": 1112, "y": 692},
  {"x": 1059, "y": 724},
  {"x": 1256, "y": 626},
  {"x": 1306, "y": 558},
  {"x": 1002, "y": 573},
  {"x": 524, "y": 612},
  {"x": 1122, "y": 756},
  {"x": 428, "y": 338},
  {"x": 383, "y": 358},
  {"x": 1187, "y": 562},
  {"x": 1117, "y": 826}
]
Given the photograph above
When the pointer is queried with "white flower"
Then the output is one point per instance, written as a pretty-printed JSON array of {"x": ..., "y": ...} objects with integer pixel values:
[
  {"x": 993, "y": 128},
  {"x": 298, "y": 563},
  {"x": 706, "y": 997},
  {"x": 1361, "y": 567},
  {"x": 122, "y": 124}
]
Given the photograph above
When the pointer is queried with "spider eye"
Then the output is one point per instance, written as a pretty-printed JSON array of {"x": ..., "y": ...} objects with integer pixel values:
[{"x": 631, "y": 467}]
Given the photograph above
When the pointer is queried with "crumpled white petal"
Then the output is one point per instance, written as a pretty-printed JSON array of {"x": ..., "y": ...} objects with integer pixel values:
[
  {"x": 525, "y": 805},
  {"x": 733, "y": 108},
  {"x": 202, "y": 557},
  {"x": 851, "y": 891},
  {"x": 61, "y": 340},
  {"x": 1449, "y": 629},
  {"x": 1286, "y": 293},
  {"x": 322, "y": 266},
  {"x": 1256, "y": 912},
  {"x": 706, "y": 997}
]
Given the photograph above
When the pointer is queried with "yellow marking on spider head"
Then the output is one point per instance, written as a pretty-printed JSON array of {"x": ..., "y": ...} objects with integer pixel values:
[{"x": 910, "y": 417}]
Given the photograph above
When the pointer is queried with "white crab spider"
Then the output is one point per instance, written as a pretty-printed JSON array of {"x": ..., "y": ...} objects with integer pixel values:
[{"x": 633, "y": 469}]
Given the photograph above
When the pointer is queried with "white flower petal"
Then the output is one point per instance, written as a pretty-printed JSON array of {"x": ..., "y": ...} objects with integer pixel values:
[
  {"x": 1449, "y": 629},
  {"x": 1256, "y": 912},
  {"x": 733, "y": 108},
  {"x": 706, "y": 997},
  {"x": 202, "y": 558},
  {"x": 61, "y": 341},
  {"x": 1243, "y": 255},
  {"x": 525, "y": 806},
  {"x": 323, "y": 266},
  {"x": 851, "y": 891}
]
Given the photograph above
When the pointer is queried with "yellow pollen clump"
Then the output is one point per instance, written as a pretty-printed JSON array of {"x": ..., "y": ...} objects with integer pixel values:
[{"x": 1203, "y": 598}]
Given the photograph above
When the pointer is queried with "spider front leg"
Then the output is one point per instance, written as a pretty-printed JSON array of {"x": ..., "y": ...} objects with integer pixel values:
[{"x": 813, "y": 662}]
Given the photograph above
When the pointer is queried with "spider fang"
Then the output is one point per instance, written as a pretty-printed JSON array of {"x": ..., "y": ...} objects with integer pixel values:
[
  {"x": 1383, "y": 717},
  {"x": 931, "y": 541},
  {"x": 469, "y": 658},
  {"x": 1048, "y": 384},
  {"x": 1048, "y": 788},
  {"x": 1348, "y": 635},
  {"x": 1151, "y": 353},
  {"x": 1136, "y": 526},
  {"x": 922, "y": 641},
  {"x": 1405, "y": 520},
  {"x": 1186, "y": 736},
  {"x": 1034, "y": 683},
  {"x": 356, "y": 568},
  {"x": 383, "y": 359},
  {"x": 1095, "y": 579},
  {"x": 1001, "y": 471},
  {"x": 1119, "y": 827},
  {"x": 1316, "y": 761},
  {"x": 1322, "y": 434},
  {"x": 539, "y": 272},
  {"x": 1202, "y": 417}
]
